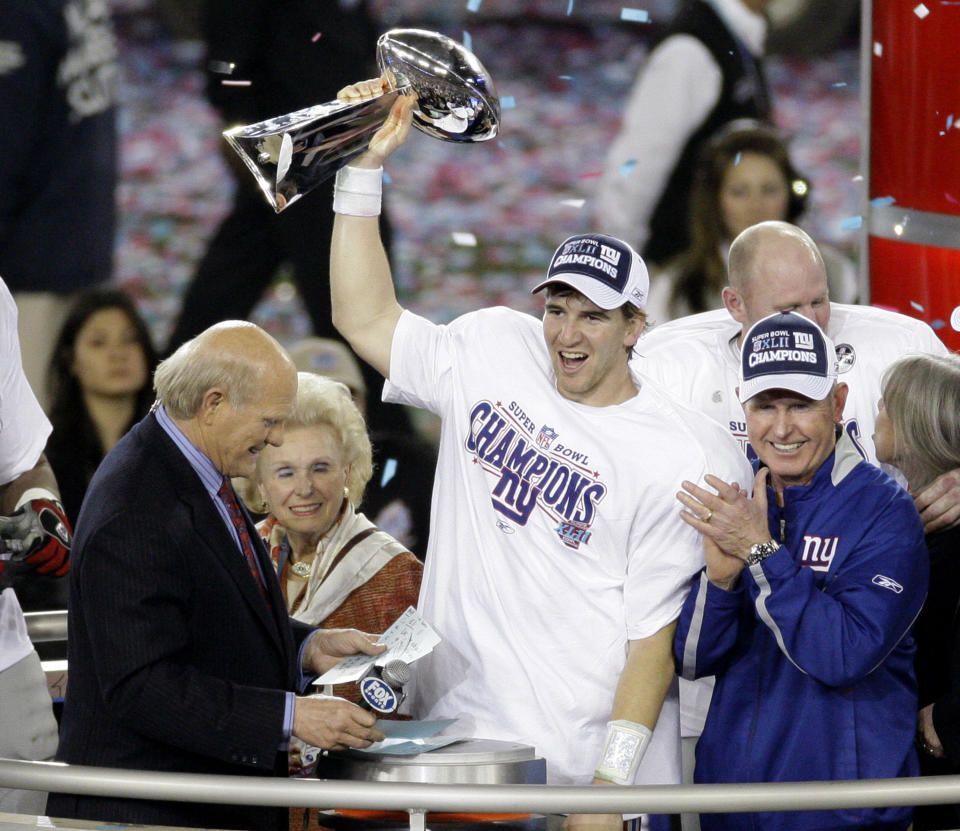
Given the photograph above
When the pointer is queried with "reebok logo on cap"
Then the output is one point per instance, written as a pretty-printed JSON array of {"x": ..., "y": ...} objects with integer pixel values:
[
  {"x": 605, "y": 270},
  {"x": 787, "y": 352}
]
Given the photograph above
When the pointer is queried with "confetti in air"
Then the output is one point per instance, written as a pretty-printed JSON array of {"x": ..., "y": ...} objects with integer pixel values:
[
  {"x": 316, "y": 37},
  {"x": 464, "y": 238},
  {"x": 878, "y": 49},
  {"x": 851, "y": 223},
  {"x": 882, "y": 201},
  {"x": 915, "y": 305},
  {"x": 473, "y": 5},
  {"x": 507, "y": 102},
  {"x": 937, "y": 324},
  {"x": 921, "y": 11},
  {"x": 222, "y": 67},
  {"x": 570, "y": 8},
  {"x": 227, "y": 83},
  {"x": 840, "y": 84},
  {"x": 386, "y": 178},
  {"x": 635, "y": 15},
  {"x": 389, "y": 471},
  {"x": 627, "y": 167},
  {"x": 736, "y": 159},
  {"x": 573, "y": 203},
  {"x": 467, "y": 41}
]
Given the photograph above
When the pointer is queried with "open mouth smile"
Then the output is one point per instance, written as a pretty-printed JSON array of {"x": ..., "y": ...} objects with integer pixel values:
[{"x": 571, "y": 361}]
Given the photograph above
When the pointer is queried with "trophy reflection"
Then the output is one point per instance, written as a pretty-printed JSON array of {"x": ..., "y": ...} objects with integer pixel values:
[{"x": 291, "y": 154}]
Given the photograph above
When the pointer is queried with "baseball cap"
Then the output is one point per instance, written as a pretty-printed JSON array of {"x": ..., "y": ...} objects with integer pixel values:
[
  {"x": 786, "y": 351},
  {"x": 331, "y": 358},
  {"x": 606, "y": 271}
]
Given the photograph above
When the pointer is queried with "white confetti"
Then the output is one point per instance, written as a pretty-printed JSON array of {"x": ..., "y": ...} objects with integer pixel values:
[
  {"x": 877, "y": 48},
  {"x": 921, "y": 11},
  {"x": 464, "y": 238}
]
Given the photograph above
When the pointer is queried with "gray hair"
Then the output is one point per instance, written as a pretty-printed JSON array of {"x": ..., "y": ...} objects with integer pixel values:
[
  {"x": 921, "y": 394},
  {"x": 323, "y": 401},
  {"x": 182, "y": 379}
]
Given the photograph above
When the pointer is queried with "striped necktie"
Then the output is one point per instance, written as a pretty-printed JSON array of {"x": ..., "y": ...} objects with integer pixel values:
[{"x": 229, "y": 498}]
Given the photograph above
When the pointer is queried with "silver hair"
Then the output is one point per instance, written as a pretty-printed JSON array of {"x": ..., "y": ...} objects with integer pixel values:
[
  {"x": 323, "y": 401},
  {"x": 182, "y": 379},
  {"x": 921, "y": 394}
]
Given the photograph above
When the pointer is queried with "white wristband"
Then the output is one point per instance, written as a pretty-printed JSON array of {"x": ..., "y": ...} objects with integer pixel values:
[
  {"x": 622, "y": 751},
  {"x": 358, "y": 191},
  {"x": 35, "y": 493}
]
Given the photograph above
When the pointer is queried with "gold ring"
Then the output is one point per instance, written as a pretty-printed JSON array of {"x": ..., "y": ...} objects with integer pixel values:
[{"x": 707, "y": 517}]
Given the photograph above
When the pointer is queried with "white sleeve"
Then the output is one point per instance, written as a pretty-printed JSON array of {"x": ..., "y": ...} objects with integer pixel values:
[
  {"x": 678, "y": 87},
  {"x": 420, "y": 359},
  {"x": 24, "y": 426}
]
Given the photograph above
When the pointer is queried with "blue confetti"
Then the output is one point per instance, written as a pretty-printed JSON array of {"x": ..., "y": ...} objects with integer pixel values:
[
  {"x": 570, "y": 7},
  {"x": 840, "y": 84},
  {"x": 507, "y": 102},
  {"x": 389, "y": 471},
  {"x": 565, "y": 77},
  {"x": 916, "y": 306},
  {"x": 467, "y": 41},
  {"x": 736, "y": 159},
  {"x": 882, "y": 201},
  {"x": 949, "y": 121},
  {"x": 851, "y": 223},
  {"x": 473, "y": 5},
  {"x": 937, "y": 324},
  {"x": 386, "y": 177},
  {"x": 627, "y": 166},
  {"x": 635, "y": 15}
]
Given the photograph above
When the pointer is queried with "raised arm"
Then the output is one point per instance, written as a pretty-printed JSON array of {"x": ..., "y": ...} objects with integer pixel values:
[{"x": 365, "y": 307}]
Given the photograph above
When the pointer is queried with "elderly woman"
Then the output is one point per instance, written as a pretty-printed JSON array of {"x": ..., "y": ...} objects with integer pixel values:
[
  {"x": 336, "y": 568},
  {"x": 918, "y": 431}
]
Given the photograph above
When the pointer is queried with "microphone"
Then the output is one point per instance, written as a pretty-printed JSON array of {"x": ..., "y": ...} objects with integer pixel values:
[{"x": 381, "y": 688}]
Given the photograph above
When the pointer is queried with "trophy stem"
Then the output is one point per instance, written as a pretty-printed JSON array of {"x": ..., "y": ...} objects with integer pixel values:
[{"x": 291, "y": 154}]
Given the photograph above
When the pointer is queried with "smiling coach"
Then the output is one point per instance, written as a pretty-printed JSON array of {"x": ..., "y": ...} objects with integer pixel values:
[{"x": 804, "y": 609}]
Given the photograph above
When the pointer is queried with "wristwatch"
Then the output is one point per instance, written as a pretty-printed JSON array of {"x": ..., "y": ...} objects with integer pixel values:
[{"x": 760, "y": 551}]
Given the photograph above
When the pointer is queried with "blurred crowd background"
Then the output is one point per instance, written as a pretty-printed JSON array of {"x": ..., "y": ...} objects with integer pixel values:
[{"x": 473, "y": 224}]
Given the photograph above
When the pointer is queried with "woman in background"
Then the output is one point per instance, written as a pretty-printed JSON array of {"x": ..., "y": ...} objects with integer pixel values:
[
  {"x": 336, "y": 568},
  {"x": 744, "y": 176},
  {"x": 918, "y": 431},
  {"x": 99, "y": 384}
]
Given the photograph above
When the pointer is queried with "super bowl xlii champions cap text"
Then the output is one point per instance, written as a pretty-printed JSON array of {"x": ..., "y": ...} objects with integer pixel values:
[{"x": 605, "y": 270}]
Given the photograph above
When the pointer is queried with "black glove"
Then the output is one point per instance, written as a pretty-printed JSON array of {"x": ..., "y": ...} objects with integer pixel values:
[{"x": 37, "y": 536}]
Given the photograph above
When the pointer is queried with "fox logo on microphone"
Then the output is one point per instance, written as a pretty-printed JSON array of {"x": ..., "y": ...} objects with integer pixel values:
[{"x": 382, "y": 689}]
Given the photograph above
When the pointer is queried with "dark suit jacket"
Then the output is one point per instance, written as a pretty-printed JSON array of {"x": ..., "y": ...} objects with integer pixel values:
[{"x": 176, "y": 661}]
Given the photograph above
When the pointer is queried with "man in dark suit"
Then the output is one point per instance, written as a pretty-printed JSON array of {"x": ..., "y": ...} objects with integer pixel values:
[{"x": 182, "y": 657}]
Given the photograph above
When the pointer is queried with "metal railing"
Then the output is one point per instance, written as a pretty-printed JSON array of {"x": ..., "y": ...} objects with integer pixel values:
[
  {"x": 46, "y": 627},
  {"x": 417, "y": 798}
]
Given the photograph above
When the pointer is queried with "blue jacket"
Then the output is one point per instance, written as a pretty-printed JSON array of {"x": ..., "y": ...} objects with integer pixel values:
[{"x": 812, "y": 650}]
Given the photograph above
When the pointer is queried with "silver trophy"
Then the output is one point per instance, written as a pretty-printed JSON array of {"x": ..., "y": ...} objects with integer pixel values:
[{"x": 292, "y": 154}]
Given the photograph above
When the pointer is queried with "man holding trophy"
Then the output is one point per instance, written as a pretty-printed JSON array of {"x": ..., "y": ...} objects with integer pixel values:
[{"x": 557, "y": 564}]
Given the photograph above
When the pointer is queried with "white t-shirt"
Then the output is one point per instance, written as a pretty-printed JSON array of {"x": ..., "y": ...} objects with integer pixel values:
[
  {"x": 555, "y": 538},
  {"x": 697, "y": 359},
  {"x": 24, "y": 429}
]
